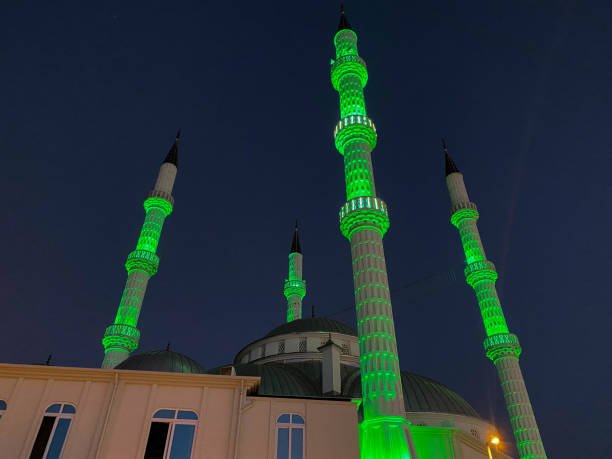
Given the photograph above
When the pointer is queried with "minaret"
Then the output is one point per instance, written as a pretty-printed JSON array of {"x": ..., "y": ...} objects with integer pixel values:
[
  {"x": 295, "y": 286},
  {"x": 384, "y": 431},
  {"x": 501, "y": 346},
  {"x": 122, "y": 336}
]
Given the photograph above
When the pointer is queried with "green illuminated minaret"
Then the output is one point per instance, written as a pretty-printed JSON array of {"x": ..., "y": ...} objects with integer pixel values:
[
  {"x": 295, "y": 286},
  {"x": 122, "y": 336},
  {"x": 501, "y": 346},
  {"x": 384, "y": 431}
]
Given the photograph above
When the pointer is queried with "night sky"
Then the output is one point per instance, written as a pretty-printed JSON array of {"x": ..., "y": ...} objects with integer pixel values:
[{"x": 91, "y": 98}]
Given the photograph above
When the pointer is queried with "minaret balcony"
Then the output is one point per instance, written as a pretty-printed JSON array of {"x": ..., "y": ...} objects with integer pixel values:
[
  {"x": 294, "y": 287},
  {"x": 349, "y": 64},
  {"x": 479, "y": 271},
  {"x": 364, "y": 210},
  {"x": 142, "y": 260},
  {"x": 161, "y": 200},
  {"x": 354, "y": 128},
  {"x": 502, "y": 345},
  {"x": 121, "y": 337}
]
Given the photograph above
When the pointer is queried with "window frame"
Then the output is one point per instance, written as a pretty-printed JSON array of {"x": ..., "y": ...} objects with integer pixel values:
[
  {"x": 291, "y": 425},
  {"x": 3, "y": 408},
  {"x": 172, "y": 423},
  {"x": 57, "y": 416}
]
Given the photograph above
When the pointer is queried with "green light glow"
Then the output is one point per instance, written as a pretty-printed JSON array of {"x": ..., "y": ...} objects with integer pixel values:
[
  {"x": 384, "y": 437},
  {"x": 121, "y": 338},
  {"x": 295, "y": 287},
  {"x": 500, "y": 345},
  {"x": 364, "y": 220}
]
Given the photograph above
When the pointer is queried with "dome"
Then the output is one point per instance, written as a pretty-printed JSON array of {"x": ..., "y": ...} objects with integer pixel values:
[
  {"x": 421, "y": 394},
  {"x": 168, "y": 361},
  {"x": 315, "y": 324},
  {"x": 279, "y": 380}
]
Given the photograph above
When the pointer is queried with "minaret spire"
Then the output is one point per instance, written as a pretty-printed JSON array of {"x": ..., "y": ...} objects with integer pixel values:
[
  {"x": 384, "y": 432},
  {"x": 172, "y": 156},
  {"x": 295, "y": 286},
  {"x": 121, "y": 338},
  {"x": 501, "y": 346},
  {"x": 449, "y": 163},
  {"x": 344, "y": 23},
  {"x": 295, "y": 243}
]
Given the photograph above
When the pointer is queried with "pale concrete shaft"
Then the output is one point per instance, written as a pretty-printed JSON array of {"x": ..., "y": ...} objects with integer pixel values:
[
  {"x": 380, "y": 372},
  {"x": 526, "y": 432},
  {"x": 122, "y": 337},
  {"x": 501, "y": 346}
]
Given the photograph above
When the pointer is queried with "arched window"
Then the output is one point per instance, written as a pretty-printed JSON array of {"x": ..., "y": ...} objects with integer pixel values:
[
  {"x": 171, "y": 435},
  {"x": 2, "y": 408},
  {"x": 53, "y": 431},
  {"x": 290, "y": 436}
]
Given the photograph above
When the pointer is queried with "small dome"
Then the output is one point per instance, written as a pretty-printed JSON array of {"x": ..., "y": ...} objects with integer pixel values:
[
  {"x": 315, "y": 324},
  {"x": 279, "y": 379},
  {"x": 168, "y": 361},
  {"x": 421, "y": 394}
]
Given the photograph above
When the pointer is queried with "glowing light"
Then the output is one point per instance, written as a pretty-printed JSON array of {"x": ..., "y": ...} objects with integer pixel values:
[
  {"x": 495, "y": 441},
  {"x": 364, "y": 220}
]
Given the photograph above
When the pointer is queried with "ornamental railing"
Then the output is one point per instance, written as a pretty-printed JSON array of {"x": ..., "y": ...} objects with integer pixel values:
[{"x": 364, "y": 210}]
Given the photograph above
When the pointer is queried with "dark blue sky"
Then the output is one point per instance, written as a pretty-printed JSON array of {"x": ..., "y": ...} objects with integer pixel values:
[{"x": 91, "y": 99}]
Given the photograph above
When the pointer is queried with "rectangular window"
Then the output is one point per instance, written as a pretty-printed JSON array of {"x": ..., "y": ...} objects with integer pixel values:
[{"x": 156, "y": 444}]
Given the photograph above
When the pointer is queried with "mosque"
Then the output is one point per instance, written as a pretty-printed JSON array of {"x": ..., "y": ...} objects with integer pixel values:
[{"x": 312, "y": 387}]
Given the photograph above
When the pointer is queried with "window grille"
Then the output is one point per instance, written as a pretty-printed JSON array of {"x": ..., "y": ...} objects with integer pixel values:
[
  {"x": 171, "y": 435},
  {"x": 281, "y": 347},
  {"x": 53, "y": 431},
  {"x": 302, "y": 347},
  {"x": 290, "y": 436},
  {"x": 475, "y": 434},
  {"x": 345, "y": 349}
]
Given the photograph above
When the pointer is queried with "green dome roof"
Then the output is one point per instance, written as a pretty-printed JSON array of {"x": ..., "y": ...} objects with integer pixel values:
[
  {"x": 303, "y": 379},
  {"x": 421, "y": 394},
  {"x": 280, "y": 380},
  {"x": 168, "y": 361},
  {"x": 315, "y": 324}
]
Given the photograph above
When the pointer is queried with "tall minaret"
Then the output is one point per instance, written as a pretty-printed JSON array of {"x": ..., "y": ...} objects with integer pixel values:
[
  {"x": 501, "y": 346},
  {"x": 384, "y": 432},
  {"x": 122, "y": 336},
  {"x": 295, "y": 286}
]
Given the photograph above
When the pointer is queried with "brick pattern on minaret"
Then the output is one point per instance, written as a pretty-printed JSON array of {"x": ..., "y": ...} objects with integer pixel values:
[
  {"x": 121, "y": 338},
  {"x": 364, "y": 220},
  {"x": 501, "y": 346}
]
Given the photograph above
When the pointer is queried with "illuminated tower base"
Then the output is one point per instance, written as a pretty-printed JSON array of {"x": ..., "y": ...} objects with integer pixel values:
[{"x": 501, "y": 346}]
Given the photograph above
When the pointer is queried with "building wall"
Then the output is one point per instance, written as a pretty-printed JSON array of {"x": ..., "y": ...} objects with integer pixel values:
[
  {"x": 114, "y": 409},
  {"x": 330, "y": 427}
]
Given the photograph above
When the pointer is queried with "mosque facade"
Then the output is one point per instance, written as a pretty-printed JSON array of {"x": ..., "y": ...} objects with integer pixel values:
[{"x": 312, "y": 387}]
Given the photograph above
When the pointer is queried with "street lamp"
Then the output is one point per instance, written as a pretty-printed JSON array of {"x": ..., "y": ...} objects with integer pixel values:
[{"x": 494, "y": 440}]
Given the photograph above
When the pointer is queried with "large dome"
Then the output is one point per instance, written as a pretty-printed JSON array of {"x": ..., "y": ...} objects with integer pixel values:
[
  {"x": 421, "y": 394},
  {"x": 315, "y": 324},
  {"x": 168, "y": 361},
  {"x": 303, "y": 379}
]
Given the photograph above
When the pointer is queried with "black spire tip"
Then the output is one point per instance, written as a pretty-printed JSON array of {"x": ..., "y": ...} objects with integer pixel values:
[
  {"x": 450, "y": 164},
  {"x": 344, "y": 23},
  {"x": 172, "y": 156},
  {"x": 295, "y": 244}
]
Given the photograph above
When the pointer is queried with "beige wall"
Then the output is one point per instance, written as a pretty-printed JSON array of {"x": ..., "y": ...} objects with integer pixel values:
[
  {"x": 114, "y": 410},
  {"x": 330, "y": 428}
]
